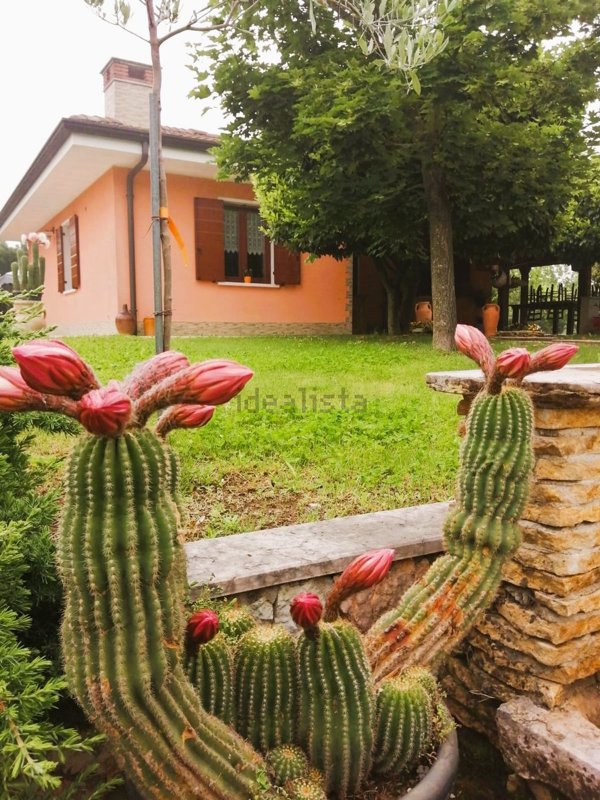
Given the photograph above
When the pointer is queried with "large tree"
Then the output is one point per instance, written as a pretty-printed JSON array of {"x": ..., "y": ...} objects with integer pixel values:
[{"x": 344, "y": 157}]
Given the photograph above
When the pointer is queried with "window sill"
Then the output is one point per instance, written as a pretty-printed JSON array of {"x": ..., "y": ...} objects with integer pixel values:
[
  {"x": 69, "y": 291},
  {"x": 249, "y": 285}
]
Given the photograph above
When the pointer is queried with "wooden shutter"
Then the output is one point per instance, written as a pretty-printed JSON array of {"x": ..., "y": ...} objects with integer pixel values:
[
  {"x": 287, "y": 266},
  {"x": 60, "y": 262},
  {"x": 210, "y": 239},
  {"x": 75, "y": 270}
]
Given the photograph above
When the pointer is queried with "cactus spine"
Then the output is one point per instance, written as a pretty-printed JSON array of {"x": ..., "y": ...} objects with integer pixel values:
[
  {"x": 210, "y": 671},
  {"x": 124, "y": 576},
  {"x": 480, "y": 534},
  {"x": 336, "y": 705},
  {"x": 265, "y": 687}
]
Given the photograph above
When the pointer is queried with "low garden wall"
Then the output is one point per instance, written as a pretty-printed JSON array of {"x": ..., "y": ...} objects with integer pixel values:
[{"x": 265, "y": 569}]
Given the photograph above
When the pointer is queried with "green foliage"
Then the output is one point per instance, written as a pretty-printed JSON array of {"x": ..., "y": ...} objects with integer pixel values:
[
  {"x": 7, "y": 256},
  {"x": 33, "y": 745}
]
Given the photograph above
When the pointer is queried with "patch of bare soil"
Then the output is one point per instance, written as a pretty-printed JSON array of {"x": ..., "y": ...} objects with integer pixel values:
[{"x": 240, "y": 502}]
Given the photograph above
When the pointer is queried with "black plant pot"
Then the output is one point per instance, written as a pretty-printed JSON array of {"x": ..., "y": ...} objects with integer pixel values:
[{"x": 438, "y": 782}]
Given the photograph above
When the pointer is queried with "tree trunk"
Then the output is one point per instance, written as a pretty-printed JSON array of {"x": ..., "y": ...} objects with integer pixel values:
[
  {"x": 443, "y": 293},
  {"x": 388, "y": 274},
  {"x": 167, "y": 304}
]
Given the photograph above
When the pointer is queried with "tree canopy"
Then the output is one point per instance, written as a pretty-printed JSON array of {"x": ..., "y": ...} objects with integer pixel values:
[{"x": 346, "y": 160}]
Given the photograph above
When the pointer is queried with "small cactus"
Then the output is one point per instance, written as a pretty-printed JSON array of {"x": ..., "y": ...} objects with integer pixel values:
[
  {"x": 304, "y": 789},
  {"x": 234, "y": 622},
  {"x": 265, "y": 687},
  {"x": 286, "y": 763},
  {"x": 408, "y": 721}
]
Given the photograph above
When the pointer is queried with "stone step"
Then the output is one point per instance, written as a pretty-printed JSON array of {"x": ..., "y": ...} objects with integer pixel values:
[
  {"x": 563, "y": 586},
  {"x": 543, "y": 623},
  {"x": 560, "y": 563},
  {"x": 541, "y": 690},
  {"x": 584, "y": 650},
  {"x": 570, "y": 468},
  {"x": 582, "y": 535},
  {"x": 567, "y": 442},
  {"x": 583, "y": 602},
  {"x": 506, "y": 656}
]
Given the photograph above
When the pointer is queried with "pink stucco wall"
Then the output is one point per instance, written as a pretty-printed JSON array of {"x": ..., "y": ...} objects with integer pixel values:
[{"x": 319, "y": 300}]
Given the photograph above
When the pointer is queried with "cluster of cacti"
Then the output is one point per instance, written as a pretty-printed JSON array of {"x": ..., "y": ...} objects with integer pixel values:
[
  {"x": 29, "y": 276},
  {"x": 330, "y": 691}
]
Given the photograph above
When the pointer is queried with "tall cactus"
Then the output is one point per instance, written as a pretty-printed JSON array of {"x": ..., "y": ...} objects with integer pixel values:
[
  {"x": 123, "y": 571},
  {"x": 265, "y": 686},
  {"x": 481, "y": 532}
]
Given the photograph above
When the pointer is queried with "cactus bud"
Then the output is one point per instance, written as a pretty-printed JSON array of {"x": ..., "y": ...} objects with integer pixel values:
[
  {"x": 184, "y": 416},
  {"x": 15, "y": 394},
  {"x": 54, "y": 368},
  {"x": 210, "y": 382},
  {"x": 474, "y": 344},
  {"x": 106, "y": 411},
  {"x": 555, "y": 356},
  {"x": 150, "y": 372},
  {"x": 513, "y": 363},
  {"x": 363, "y": 572},
  {"x": 306, "y": 610},
  {"x": 202, "y": 626}
]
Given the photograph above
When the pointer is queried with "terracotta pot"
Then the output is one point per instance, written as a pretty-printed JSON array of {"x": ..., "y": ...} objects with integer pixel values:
[
  {"x": 423, "y": 311},
  {"x": 149, "y": 326},
  {"x": 491, "y": 315},
  {"x": 125, "y": 322},
  {"x": 247, "y": 278}
]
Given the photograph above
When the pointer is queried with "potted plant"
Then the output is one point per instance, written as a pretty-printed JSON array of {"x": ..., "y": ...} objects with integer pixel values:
[
  {"x": 247, "y": 275},
  {"x": 28, "y": 273},
  {"x": 354, "y": 705}
]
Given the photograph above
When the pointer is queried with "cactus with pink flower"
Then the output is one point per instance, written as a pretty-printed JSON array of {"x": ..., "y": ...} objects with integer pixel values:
[{"x": 364, "y": 704}]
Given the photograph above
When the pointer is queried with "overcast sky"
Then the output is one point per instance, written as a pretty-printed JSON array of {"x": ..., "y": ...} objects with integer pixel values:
[{"x": 50, "y": 59}]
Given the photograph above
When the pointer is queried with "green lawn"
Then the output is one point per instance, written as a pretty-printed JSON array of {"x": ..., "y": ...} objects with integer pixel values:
[{"x": 327, "y": 427}]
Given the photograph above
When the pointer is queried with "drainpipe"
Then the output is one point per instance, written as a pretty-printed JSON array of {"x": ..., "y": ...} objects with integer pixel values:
[{"x": 130, "y": 231}]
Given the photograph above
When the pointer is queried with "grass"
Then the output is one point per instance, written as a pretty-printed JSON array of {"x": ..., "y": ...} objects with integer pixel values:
[{"x": 327, "y": 427}]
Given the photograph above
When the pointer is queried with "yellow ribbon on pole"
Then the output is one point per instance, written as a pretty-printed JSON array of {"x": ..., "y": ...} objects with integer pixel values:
[{"x": 174, "y": 230}]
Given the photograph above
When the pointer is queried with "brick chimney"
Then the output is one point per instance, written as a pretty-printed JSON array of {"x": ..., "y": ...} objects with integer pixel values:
[{"x": 127, "y": 85}]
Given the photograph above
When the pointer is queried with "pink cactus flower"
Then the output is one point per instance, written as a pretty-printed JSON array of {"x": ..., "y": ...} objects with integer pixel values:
[
  {"x": 106, "y": 411},
  {"x": 306, "y": 610},
  {"x": 146, "y": 375},
  {"x": 474, "y": 344},
  {"x": 202, "y": 626},
  {"x": 513, "y": 363},
  {"x": 211, "y": 382},
  {"x": 15, "y": 394},
  {"x": 52, "y": 367},
  {"x": 184, "y": 416},
  {"x": 362, "y": 573},
  {"x": 555, "y": 356}
]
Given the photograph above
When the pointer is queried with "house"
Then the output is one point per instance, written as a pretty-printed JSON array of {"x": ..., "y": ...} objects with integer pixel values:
[{"x": 89, "y": 190}]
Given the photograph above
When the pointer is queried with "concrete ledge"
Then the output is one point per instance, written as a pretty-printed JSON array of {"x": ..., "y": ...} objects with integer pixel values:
[{"x": 247, "y": 561}]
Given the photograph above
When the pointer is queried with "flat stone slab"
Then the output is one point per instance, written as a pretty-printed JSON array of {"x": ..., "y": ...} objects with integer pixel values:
[
  {"x": 583, "y": 535},
  {"x": 559, "y": 562},
  {"x": 561, "y": 585},
  {"x": 585, "y": 601},
  {"x": 543, "y": 623},
  {"x": 246, "y": 561},
  {"x": 569, "y": 387},
  {"x": 570, "y": 442},
  {"x": 560, "y": 748}
]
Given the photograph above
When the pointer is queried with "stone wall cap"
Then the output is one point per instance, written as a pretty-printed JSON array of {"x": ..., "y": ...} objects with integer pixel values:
[
  {"x": 579, "y": 380},
  {"x": 246, "y": 561}
]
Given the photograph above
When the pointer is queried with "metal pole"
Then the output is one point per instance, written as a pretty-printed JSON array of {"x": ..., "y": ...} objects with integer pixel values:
[{"x": 156, "y": 248}]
